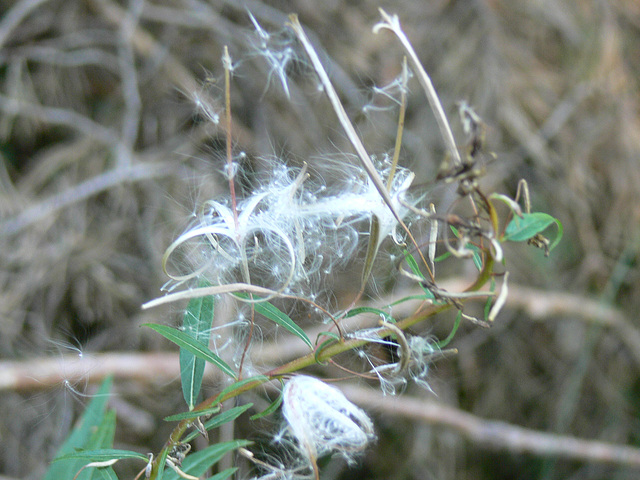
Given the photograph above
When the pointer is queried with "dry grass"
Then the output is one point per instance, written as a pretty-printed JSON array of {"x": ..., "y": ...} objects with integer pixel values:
[{"x": 104, "y": 157}]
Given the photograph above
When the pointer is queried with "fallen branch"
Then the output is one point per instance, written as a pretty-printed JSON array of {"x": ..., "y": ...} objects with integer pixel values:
[
  {"x": 42, "y": 373},
  {"x": 491, "y": 434}
]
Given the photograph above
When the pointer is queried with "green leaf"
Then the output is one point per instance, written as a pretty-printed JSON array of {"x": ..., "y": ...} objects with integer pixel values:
[
  {"x": 270, "y": 409},
  {"x": 223, "y": 475},
  {"x": 356, "y": 311},
  {"x": 477, "y": 258},
  {"x": 90, "y": 420},
  {"x": 197, "y": 324},
  {"x": 452, "y": 334},
  {"x": 278, "y": 316},
  {"x": 408, "y": 298},
  {"x": 104, "y": 435},
  {"x": 192, "y": 414},
  {"x": 197, "y": 463},
  {"x": 258, "y": 380},
  {"x": 105, "y": 473},
  {"x": 221, "y": 419},
  {"x": 442, "y": 257},
  {"x": 415, "y": 268},
  {"x": 161, "y": 463},
  {"x": 101, "y": 438},
  {"x": 102, "y": 455},
  {"x": 332, "y": 338},
  {"x": 183, "y": 340},
  {"x": 475, "y": 251},
  {"x": 521, "y": 229}
]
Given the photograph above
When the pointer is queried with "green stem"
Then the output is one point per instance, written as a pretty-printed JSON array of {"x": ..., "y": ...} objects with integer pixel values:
[{"x": 312, "y": 359}]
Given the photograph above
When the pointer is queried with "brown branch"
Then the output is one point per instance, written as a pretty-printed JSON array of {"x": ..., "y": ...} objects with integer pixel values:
[
  {"x": 160, "y": 367},
  {"x": 491, "y": 434},
  {"x": 44, "y": 373}
]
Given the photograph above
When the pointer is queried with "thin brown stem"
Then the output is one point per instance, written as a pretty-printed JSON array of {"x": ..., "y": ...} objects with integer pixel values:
[{"x": 226, "y": 61}]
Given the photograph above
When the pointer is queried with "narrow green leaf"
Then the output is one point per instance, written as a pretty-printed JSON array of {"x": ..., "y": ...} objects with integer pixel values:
[
  {"x": 278, "y": 316},
  {"x": 271, "y": 408},
  {"x": 183, "y": 340},
  {"x": 415, "y": 268},
  {"x": 456, "y": 324},
  {"x": 477, "y": 258},
  {"x": 227, "y": 416},
  {"x": 192, "y": 414},
  {"x": 223, "y": 475},
  {"x": 101, "y": 438},
  {"x": 356, "y": 311},
  {"x": 332, "y": 338},
  {"x": 442, "y": 257},
  {"x": 258, "y": 379},
  {"x": 102, "y": 455},
  {"x": 408, "y": 298},
  {"x": 521, "y": 229},
  {"x": 197, "y": 463},
  {"x": 105, "y": 473},
  {"x": 197, "y": 324},
  {"x": 221, "y": 419},
  {"x": 161, "y": 463},
  {"x": 91, "y": 419},
  {"x": 475, "y": 251},
  {"x": 104, "y": 435}
]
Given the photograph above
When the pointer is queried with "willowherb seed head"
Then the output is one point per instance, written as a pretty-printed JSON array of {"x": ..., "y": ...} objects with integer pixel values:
[
  {"x": 288, "y": 232},
  {"x": 322, "y": 420}
]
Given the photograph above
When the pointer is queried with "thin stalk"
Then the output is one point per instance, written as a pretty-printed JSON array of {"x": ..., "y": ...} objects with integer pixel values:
[
  {"x": 350, "y": 130},
  {"x": 401, "y": 116},
  {"x": 226, "y": 62},
  {"x": 392, "y": 23}
]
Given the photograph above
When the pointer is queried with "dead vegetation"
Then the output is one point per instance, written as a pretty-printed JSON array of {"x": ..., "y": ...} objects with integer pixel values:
[{"x": 107, "y": 145}]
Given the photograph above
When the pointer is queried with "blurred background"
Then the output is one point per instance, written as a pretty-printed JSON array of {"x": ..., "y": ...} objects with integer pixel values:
[{"x": 108, "y": 143}]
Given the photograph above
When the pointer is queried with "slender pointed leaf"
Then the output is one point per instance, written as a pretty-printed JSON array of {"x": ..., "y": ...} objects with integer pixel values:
[
  {"x": 161, "y": 464},
  {"x": 196, "y": 323},
  {"x": 269, "y": 410},
  {"x": 452, "y": 334},
  {"x": 415, "y": 268},
  {"x": 91, "y": 419},
  {"x": 221, "y": 419},
  {"x": 192, "y": 414},
  {"x": 197, "y": 463},
  {"x": 408, "y": 298},
  {"x": 183, "y": 340},
  {"x": 106, "y": 474},
  {"x": 227, "y": 416},
  {"x": 102, "y": 437},
  {"x": 102, "y": 455},
  {"x": 356, "y": 311},
  {"x": 278, "y": 316},
  {"x": 258, "y": 379},
  {"x": 332, "y": 338},
  {"x": 223, "y": 475},
  {"x": 475, "y": 251}
]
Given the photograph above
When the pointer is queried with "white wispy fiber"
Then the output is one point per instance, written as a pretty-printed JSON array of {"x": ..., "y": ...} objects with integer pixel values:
[
  {"x": 287, "y": 232},
  {"x": 322, "y": 421}
]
